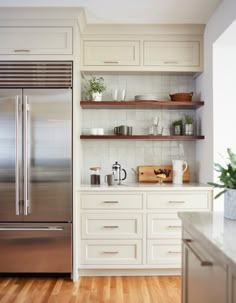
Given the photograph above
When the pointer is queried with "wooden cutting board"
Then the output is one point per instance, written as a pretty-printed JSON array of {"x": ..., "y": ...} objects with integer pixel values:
[{"x": 146, "y": 174}]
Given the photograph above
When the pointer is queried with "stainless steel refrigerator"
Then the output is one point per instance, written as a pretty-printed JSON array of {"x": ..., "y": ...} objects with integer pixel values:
[{"x": 36, "y": 167}]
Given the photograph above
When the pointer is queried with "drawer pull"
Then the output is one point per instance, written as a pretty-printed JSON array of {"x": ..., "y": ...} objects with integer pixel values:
[
  {"x": 21, "y": 50},
  {"x": 202, "y": 262},
  {"x": 111, "y": 202},
  {"x": 110, "y": 62},
  {"x": 174, "y": 226},
  {"x": 176, "y": 201},
  {"x": 170, "y": 62},
  {"x": 110, "y": 226},
  {"x": 174, "y": 252},
  {"x": 111, "y": 252}
]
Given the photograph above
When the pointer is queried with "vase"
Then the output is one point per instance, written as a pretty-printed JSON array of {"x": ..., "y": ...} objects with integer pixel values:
[
  {"x": 188, "y": 129},
  {"x": 96, "y": 96},
  {"x": 177, "y": 131},
  {"x": 230, "y": 204}
]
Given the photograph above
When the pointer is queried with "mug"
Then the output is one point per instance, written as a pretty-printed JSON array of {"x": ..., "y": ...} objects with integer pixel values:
[
  {"x": 123, "y": 130},
  {"x": 178, "y": 171},
  {"x": 109, "y": 179}
]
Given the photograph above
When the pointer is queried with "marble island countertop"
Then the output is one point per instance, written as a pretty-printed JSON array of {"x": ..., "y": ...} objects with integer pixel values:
[
  {"x": 144, "y": 187},
  {"x": 214, "y": 231}
]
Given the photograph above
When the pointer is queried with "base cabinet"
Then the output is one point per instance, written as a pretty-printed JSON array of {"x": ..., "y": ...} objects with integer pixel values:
[
  {"x": 135, "y": 229},
  {"x": 204, "y": 276}
]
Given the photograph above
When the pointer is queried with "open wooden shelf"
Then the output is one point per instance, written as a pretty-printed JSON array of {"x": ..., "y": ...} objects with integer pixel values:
[
  {"x": 141, "y": 104},
  {"x": 142, "y": 137}
]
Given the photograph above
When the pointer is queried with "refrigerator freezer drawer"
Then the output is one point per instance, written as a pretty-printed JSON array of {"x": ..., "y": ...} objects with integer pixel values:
[{"x": 35, "y": 247}]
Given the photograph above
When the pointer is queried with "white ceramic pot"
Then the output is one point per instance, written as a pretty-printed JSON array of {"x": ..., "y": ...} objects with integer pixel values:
[
  {"x": 230, "y": 204},
  {"x": 188, "y": 129},
  {"x": 97, "y": 96}
]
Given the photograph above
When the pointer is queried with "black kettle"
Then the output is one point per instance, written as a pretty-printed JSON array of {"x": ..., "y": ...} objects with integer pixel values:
[{"x": 116, "y": 170}]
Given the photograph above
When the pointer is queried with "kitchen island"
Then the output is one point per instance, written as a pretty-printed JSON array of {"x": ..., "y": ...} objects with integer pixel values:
[
  {"x": 133, "y": 229},
  {"x": 209, "y": 258}
]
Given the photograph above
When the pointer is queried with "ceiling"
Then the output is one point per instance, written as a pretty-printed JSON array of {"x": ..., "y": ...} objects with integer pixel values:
[{"x": 133, "y": 11}]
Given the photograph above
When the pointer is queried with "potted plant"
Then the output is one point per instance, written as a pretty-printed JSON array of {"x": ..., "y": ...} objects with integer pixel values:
[
  {"x": 95, "y": 88},
  {"x": 188, "y": 125},
  {"x": 177, "y": 127},
  {"x": 227, "y": 178}
]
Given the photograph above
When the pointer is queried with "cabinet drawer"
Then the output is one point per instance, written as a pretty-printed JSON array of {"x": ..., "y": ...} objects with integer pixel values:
[
  {"x": 179, "y": 200},
  {"x": 113, "y": 226},
  {"x": 111, "y": 201},
  {"x": 172, "y": 53},
  {"x": 164, "y": 226},
  {"x": 164, "y": 252},
  {"x": 35, "y": 40},
  {"x": 111, "y": 252},
  {"x": 111, "y": 53}
]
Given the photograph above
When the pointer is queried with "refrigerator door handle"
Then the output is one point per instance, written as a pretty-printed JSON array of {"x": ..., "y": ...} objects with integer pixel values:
[
  {"x": 41, "y": 228},
  {"x": 17, "y": 186},
  {"x": 25, "y": 142}
]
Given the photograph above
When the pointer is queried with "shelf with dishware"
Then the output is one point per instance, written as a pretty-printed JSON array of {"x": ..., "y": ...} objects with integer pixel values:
[
  {"x": 170, "y": 105},
  {"x": 141, "y": 137}
]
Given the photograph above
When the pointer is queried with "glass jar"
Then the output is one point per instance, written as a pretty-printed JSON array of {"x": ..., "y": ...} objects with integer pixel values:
[{"x": 95, "y": 175}]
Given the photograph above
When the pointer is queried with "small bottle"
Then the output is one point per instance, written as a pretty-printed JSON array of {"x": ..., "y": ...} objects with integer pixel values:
[{"x": 95, "y": 175}]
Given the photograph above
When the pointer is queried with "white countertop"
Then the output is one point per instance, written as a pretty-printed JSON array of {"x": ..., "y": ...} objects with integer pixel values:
[
  {"x": 144, "y": 187},
  {"x": 215, "y": 231}
]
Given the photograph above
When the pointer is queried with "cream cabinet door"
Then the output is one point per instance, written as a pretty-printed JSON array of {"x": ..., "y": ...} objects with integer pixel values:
[
  {"x": 111, "y": 226},
  {"x": 107, "y": 252},
  {"x": 35, "y": 40},
  {"x": 111, "y": 201},
  {"x": 163, "y": 226},
  {"x": 164, "y": 252},
  {"x": 110, "y": 53},
  {"x": 171, "y": 53},
  {"x": 174, "y": 201}
]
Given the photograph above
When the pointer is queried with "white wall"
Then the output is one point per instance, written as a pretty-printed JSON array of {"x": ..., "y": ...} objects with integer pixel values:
[{"x": 219, "y": 22}]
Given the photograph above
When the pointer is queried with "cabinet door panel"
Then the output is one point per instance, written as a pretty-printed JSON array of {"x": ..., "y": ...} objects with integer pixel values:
[
  {"x": 35, "y": 40},
  {"x": 113, "y": 226},
  {"x": 172, "y": 53},
  {"x": 111, "y": 201},
  {"x": 111, "y": 252},
  {"x": 111, "y": 53}
]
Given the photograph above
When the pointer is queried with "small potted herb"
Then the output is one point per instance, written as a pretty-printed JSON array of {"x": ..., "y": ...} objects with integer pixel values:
[
  {"x": 177, "y": 127},
  {"x": 188, "y": 125},
  {"x": 227, "y": 184},
  {"x": 95, "y": 88}
]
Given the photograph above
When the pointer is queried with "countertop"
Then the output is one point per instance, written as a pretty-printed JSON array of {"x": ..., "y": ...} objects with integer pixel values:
[
  {"x": 145, "y": 187},
  {"x": 214, "y": 231}
]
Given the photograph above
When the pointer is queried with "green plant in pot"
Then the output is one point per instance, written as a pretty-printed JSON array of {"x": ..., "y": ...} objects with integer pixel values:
[
  {"x": 95, "y": 88},
  {"x": 177, "y": 127},
  {"x": 188, "y": 125},
  {"x": 227, "y": 178}
]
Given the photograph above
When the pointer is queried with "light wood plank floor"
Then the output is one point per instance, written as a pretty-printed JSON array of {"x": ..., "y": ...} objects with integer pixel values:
[{"x": 91, "y": 290}]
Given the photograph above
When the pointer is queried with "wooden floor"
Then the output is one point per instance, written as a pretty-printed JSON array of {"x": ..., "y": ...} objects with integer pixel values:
[{"x": 91, "y": 290}]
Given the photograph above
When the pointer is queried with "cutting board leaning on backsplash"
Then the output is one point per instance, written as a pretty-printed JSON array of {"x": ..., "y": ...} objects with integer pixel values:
[{"x": 147, "y": 174}]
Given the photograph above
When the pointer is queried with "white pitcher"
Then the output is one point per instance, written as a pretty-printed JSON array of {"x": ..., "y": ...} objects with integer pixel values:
[{"x": 178, "y": 170}]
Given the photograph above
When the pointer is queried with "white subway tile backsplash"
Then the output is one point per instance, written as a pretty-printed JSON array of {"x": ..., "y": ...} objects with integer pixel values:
[{"x": 131, "y": 154}]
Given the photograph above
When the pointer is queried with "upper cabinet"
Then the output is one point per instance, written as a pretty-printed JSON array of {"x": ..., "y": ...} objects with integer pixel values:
[
  {"x": 111, "y": 53},
  {"x": 171, "y": 53},
  {"x": 135, "y": 48},
  {"x": 36, "y": 40}
]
